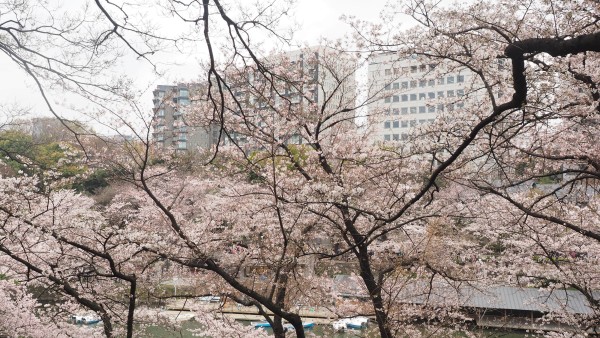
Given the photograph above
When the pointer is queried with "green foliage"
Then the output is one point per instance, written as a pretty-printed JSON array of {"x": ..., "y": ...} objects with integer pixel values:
[
  {"x": 520, "y": 169},
  {"x": 92, "y": 183},
  {"x": 47, "y": 161},
  {"x": 548, "y": 179},
  {"x": 496, "y": 247},
  {"x": 16, "y": 149},
  {"x": 299, "y": 155},
  {"x": 21, "y": 153}
]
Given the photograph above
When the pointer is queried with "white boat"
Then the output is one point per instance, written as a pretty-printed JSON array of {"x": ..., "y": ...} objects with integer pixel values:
[
  {"x": 354, "y": 323},
  {"x": 210, "y": 299},
  {"x": 85, "y": 320}
]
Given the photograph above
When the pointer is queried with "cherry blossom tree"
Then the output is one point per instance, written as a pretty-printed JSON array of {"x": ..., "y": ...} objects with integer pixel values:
[
  {"x": 75, "y": 52},
  {"x": 520, "y": 149}
]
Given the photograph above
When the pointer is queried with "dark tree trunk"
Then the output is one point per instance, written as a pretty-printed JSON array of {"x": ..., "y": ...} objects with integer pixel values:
[{"x": 366, "y": 273}]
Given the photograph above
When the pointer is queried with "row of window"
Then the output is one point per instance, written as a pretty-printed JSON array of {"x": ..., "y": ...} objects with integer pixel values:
[
  {"x": 424, "y": 96},
  {"x": 405, "y": 123},
  {"x": 423, "y": 83},
  {"x": 395, "y": 137},
  {"x": 423, "y": 109},
  {"x": 183, "y": 92},
  {"x": 413, "y": 69}
]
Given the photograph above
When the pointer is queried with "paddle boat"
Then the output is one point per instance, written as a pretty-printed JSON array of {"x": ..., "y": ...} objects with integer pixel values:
[
  {"x": 354, "y": 323},
  {"x": 85, "y": 320}
]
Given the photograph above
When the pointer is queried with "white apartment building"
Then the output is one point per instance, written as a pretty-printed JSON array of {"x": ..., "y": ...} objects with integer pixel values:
[{"x": 410, "y": 93}]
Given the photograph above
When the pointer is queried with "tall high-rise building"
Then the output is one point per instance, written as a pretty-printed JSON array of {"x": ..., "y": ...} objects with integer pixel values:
[
  {"x": 411, "y": 93},
  {"x": 304, "y": 84},
  {"x": 170, "y": 130}
]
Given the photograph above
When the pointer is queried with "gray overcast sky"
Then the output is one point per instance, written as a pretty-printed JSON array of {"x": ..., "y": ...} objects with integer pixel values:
[{"x": 318, "y": 18}]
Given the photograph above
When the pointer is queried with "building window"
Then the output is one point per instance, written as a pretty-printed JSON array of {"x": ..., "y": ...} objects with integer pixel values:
[
  {"x": 404, "y": 98},
  {"x": 423, "y": 68},
  {"x": 388, "y": 72},
  {"x": 450, "y": 79},
  {"x": 422, "y": 96},
  {"x": 460, "y": 78},
  {"x": 386, "y": 124},
  {"x": 404, "y": 124},
  {"x": 396, "y": 98},
  {"x": 460, "y": 92},
  {"x": 440, "y": 94},
  {"x": 404, "y": 137},
  {"x": 413, "y": 123},
  {"x": 181, "y": 145},
  {"x": 396, "y": 137},
  {"x": 387, "y": 112},
  {"x": 422, "y": 109},
  {"x": 413, "y": 69},
  {"x": 388, "y": 99},
  {"x": 396, "y": 111},
  {"x": 450, "y": 93},
  {"x": 387, "y": 87},
  {"x": 161, "y": 112},
  {"x": 422, "y": 83},
  {"x": 431, "y": 95},
  {"x": 440, "y": 81},
  {"x": 396, "y": 124},
  {"x": 422, "y": 121},
  {"x": 431, "y": 109},
  {"x": 413, "y": 84},
  {"x": 386, "y": 137},
  {"x": 396, "y": 85},
  {"x": 405, "y": 85},
  {"x": 431, "y": 83},
  {"x": 440, "y": 107},
  {"x": 183, "y": 92},
  {"x": 184, "y": 101},
  {"x": 413, "y": 110},
  {"x": 404, "y": 110},
  {"x": 413, "y": 97}
]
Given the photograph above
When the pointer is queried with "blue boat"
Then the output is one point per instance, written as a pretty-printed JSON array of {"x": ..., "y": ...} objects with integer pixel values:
[
  {"x": 306, "y": 325},
  {"x": 85, "y": 320},
  {"x": 265, "y": 324},
  {"x": 257, "y": 325}
]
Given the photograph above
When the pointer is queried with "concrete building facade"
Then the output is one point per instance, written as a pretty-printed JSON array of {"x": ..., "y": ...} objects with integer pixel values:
[
  {"x": 410, "y": 93},
  {"x": 313, "y": 83},
  {"x": 170, "y": 131}
]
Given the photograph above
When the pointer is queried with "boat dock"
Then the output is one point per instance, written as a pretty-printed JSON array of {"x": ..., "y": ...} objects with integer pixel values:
[{"x": 181, "y": 308}]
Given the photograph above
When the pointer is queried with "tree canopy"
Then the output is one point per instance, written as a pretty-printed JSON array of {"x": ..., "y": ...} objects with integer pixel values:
[{"x": 500, "y": 191}]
